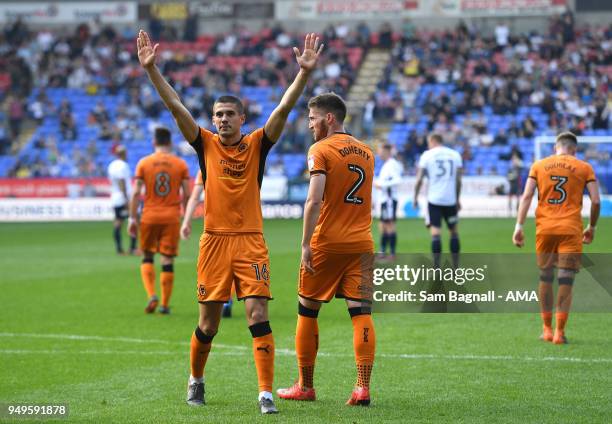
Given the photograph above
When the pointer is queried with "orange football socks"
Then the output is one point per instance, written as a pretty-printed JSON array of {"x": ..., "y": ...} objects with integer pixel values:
[
  {"x": 364, "y": 343},
  {"x": 263, "y": 353},
  {"x": 167, "y": 282},
  {"x": 147, "y": 273},
  {"x": 306, "y": 345},
  {"x": 200, "y": 348}
]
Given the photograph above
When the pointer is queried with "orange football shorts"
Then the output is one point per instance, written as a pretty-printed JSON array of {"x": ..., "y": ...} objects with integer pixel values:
[
  {"x": 343, "y": 275},
  {"x": 560, "y": 251},
  {"x": 239, "y": 260},
  {"x": 160, "y": 238}
]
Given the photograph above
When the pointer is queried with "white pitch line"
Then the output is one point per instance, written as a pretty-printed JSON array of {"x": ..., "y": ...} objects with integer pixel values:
[
  {"x": 98, "y": 352},
  {"x": 243, "y": 350},
  {"x": 112, "y": 339}
]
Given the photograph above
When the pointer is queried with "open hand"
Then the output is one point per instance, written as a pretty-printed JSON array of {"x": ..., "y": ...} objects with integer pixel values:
[
  {"x": 147, "y": 52},
  {"x": 309, "y": 57}
]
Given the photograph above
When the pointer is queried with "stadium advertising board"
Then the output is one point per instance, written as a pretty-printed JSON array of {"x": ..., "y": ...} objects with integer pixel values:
[
  {"x": 511, "y": 7},
  {"x": 341, "y": 9},
  {"x": 213, "y": 9},
  {"x": 279, "y": 199},
  {"x": 358, "y": 9},
  {"x": 169, "y": 11},
  {"x": 53, "y": 187},
  {"x": 34, "y": 210},
  {"x": 49, "y": 13}
]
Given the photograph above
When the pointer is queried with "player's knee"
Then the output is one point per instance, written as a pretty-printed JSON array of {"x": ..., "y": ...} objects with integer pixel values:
[
  {"x": 260, "y": 329},
  {"x": 307, "y": 312},
  {"x": 205, "y": 335},
  {"x": 547, "y": 276},
  {"x": 257, "y": 314}
]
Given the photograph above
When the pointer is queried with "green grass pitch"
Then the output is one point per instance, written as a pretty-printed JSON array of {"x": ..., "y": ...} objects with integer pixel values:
[{"x": 72, "y": 330}]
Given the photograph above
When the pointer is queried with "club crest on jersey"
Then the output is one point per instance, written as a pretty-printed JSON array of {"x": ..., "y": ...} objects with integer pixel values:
[
  {"x": 242, "y": 147},
  {"x": 201, "y": 290},
  {"x": 310, "y": 162}
]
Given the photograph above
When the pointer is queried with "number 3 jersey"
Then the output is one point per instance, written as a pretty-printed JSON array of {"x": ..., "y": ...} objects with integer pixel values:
[
  {"x": 345, "y": 220},
  {"x": 441, "y": 165},
  {"x": 162, "y": 174},
  {"x": 561, "y": 180},
  {"x": 232, "y": 177}
]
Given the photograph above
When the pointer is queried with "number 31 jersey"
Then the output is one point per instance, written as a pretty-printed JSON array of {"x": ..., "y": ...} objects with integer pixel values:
[
  {"x": 162, "y": 174},
  {"x": 561, "y": 180},
  {"x": 345, "y": 220},
  {"x": 441, "y": 165}
]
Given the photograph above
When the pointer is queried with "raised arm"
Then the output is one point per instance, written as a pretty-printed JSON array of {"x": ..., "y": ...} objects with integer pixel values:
[
  {"x": 147, "y": 52},
  {"x": 518, "y": 238},
  {"x": 307, "y": 61}
]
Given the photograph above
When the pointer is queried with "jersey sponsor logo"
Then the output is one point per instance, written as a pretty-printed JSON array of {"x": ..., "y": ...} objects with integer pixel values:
[{"x": 233, "y": 169}]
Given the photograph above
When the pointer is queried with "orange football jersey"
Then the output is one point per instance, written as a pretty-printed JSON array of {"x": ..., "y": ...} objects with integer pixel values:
[
  {"x": 345, "y": 220},
  {"x": 561, "y": 180},
  {"x": 162, "y": 174},
  {"x": 232, "y": 177}
]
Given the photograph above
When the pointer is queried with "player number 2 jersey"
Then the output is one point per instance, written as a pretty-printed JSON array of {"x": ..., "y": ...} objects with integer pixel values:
[
  {"x": 162, "y": 174},
  {"x": 345, "y": 220},
  {"x": 561, "y": 180}
]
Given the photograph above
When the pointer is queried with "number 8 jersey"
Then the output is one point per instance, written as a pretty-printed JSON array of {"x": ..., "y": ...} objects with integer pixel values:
[
  {"x": 561, "y": 180},
  {"x": 162, "y": 174},
  {"x": 345, "y": 220}
]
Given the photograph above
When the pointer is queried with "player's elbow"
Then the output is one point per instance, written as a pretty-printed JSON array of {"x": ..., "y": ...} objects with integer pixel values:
[{"x": 313, "y": 203}]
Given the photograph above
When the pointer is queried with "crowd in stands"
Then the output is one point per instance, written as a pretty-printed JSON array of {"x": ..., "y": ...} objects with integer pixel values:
[
  {"x": 476, "y": 78},
  {"x": 478, "y": 88}
]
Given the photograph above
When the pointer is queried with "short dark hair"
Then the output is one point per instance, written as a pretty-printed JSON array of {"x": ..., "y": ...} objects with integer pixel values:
[
  {"x": 437, "y": 138},
  {"x": 329, "y": 103},
  {"x": 567, "y": 139},
  {"x": 387, "y": 146},
  {"x": 233, "y": 100},
  {"x": 162, "y": 136}
]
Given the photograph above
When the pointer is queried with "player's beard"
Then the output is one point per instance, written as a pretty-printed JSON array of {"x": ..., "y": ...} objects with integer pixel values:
[{"x": 322, "y": 132}]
